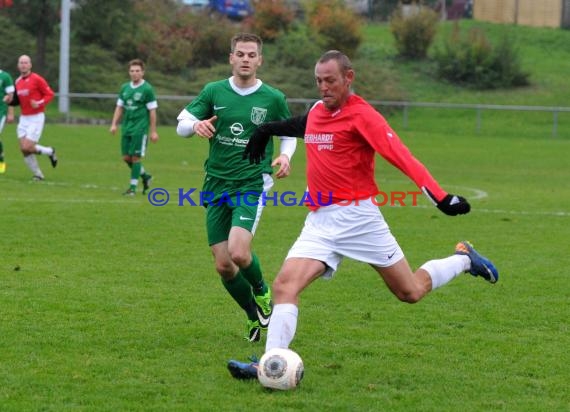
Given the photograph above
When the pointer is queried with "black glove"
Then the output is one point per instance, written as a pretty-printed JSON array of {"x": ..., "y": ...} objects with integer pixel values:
[
  {"x": 255, "y": 149},
  {"x": 454, "y": 205},
  {"x": 15, "y": 100}
]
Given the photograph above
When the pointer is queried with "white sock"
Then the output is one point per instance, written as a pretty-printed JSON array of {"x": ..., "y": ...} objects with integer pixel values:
[
  {"x": 442, "y": 271},
  {"x": 32, "y": 163},
  {"x": 44, "y": 150},
  {"x": 282, "y": 326}
]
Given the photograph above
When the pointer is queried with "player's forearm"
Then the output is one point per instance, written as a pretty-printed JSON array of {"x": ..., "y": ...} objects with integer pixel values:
[
  {"x": 288, "y": 146},
  {"x": 116, "y": 116},
  {"x": 152, "y": 121},
  {"x": 294, "y": 127},
  {"x": 186, "y": 123},
  {"x": 47, "y": 95}
]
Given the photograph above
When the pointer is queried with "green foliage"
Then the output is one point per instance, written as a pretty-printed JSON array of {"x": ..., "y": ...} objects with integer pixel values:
[
  {"x": 297, "y": 49},
  {"x": 111, "y": 24},
  {"x": 334, "y": 25},
  {"x": 15, "y": 42},
  {"x": 211, "y": 43},
  {"x": 382, "y": 10},
  {"x": 473, "y": 61},
  {"x": 414, "y": 32},
  {"x": 272, "y": 19},
  {"x": 39, "y": 18}
]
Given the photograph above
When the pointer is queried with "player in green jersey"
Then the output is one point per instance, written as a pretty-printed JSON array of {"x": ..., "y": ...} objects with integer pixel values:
[
  {"x": 136, "y": 105},
  {"x": 6, "y": 113},
  {"x": 226, "y": 112}
]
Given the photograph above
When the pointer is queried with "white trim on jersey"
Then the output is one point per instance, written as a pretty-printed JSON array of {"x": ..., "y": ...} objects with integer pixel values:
[{"x": 246, "y": 91}]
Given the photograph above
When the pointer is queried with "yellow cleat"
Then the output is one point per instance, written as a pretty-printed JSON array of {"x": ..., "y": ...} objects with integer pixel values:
[{"x": 2, "y": 167}]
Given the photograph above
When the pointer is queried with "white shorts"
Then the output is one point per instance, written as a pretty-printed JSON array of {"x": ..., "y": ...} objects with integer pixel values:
[
  {"x": 357, "y": 231},
  {"x": 31, "y": 126},
  {"x": 2, "y": 123}
]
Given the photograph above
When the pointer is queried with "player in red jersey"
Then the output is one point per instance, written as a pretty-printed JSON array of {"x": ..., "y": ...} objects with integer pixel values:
[
  {"x": 342, "y": 133},
  {"x": 34, "y": 94}
]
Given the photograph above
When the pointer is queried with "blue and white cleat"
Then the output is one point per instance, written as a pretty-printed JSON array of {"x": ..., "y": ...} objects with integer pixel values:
[
  {"x": 480, "y": 265},
  {"x": 243, "y": 370}
]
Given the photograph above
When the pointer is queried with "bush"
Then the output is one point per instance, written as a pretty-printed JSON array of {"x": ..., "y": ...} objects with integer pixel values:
[
  {"x": 334, "y": 26},
  {"x": 271, "y": 19},
  {"x": 297, "y": 49},
  {"x": 473, "y": 61},
  {"x": 414, "y": 32}
]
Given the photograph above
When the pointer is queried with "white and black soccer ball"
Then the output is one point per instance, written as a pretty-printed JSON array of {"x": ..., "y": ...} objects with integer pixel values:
[{"x": 281, "y": 369}]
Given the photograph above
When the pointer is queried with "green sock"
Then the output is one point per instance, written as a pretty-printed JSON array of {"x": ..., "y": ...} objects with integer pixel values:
[
  {"x": 240, "y": 290},
  {"x": 1, "y": 152},
  {"x": 254, "y": 276},
  {"x": 136, "y": 171}
]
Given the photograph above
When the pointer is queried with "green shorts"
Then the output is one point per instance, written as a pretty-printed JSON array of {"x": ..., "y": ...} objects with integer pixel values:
[
  {"x": 134, "y": 144},
  {"x": 232, "y": 203}
]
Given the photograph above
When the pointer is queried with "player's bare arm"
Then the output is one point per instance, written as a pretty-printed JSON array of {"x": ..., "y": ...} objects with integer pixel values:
[
  {"x": 153, "y": 133},
  {"x": 116, "y": 118}
]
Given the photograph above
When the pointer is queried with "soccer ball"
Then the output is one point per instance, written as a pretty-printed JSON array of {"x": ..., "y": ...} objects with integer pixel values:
[{"x": 280, "y": 369}]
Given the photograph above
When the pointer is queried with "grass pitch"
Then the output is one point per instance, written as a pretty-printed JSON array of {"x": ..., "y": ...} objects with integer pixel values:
[{"x": 111, "y": 304}]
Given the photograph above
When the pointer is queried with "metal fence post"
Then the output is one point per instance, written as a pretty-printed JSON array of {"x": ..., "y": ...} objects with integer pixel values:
[{"x": 478, "y": 128}]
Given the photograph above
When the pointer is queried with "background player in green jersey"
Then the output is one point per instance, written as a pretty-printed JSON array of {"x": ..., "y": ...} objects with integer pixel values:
[
  {"x": 6, "y": 95},
  {"x": 227, "y": 112},
  {"x": 136, "y": 106}
]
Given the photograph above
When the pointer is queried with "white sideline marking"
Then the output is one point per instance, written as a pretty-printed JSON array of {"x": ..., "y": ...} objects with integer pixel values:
[
  {"x": 507, "y": 212},
  {"x": 24, "y": 199}
]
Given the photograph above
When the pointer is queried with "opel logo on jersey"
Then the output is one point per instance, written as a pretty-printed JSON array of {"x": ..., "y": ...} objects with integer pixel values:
[{"x": 236, "y": 129}]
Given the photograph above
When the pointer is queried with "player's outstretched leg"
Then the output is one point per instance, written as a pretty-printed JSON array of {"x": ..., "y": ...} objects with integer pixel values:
[
  {"x": 480, "y": 265},
  {"x": 244, "y": 370}
]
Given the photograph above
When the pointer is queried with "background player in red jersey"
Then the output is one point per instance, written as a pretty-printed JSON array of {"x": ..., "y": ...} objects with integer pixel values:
[
  {"x": 34, "y": 94},
  {"x": 342, "y": 133}
]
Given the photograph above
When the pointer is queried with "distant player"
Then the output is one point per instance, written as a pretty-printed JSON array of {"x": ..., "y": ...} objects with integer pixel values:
[
  {"x": 34, "y": 94},
  {"x": 226, "y": 112},
  {"x": 6, "y": 94},
  {"x": 136, "y": 105}
]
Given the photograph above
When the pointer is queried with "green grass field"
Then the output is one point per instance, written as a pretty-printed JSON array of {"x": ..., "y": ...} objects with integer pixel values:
[{"x": 111, "y": 304}]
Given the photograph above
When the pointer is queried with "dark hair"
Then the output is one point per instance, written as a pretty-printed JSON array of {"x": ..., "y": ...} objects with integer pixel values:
[
  {"x": 246, "y": 37},
  {"x": 342, "y": 59},
  {"x": 136, "y": 62}
]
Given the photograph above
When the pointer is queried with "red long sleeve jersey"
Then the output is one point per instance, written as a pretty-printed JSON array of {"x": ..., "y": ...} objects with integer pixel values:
[
  {"x": 340, "y": 149},
  {"x": 33, "y": 87}
]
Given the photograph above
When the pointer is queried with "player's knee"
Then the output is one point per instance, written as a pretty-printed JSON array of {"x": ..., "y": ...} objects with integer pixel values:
[
  {"x": 278, "y": 288},
  {"x": 283, "y": 288},
  {"x": 226, "y": 272},
  {"x": 242, "y": 258}
]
